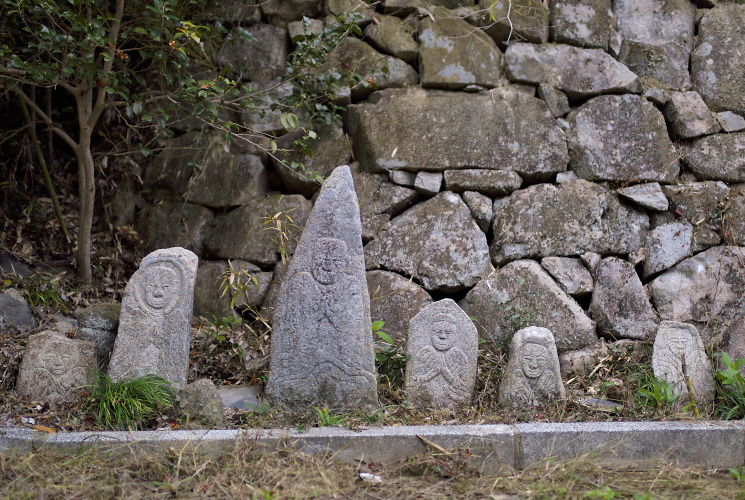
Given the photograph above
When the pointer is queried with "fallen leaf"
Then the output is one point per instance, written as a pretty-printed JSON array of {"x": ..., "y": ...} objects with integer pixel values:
[{"x": 43, "y": 429}]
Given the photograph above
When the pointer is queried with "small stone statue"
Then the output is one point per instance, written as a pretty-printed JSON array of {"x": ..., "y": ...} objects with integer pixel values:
[
  {"x": 443, "y": 349},
  {"x": 532, "y": 376}
]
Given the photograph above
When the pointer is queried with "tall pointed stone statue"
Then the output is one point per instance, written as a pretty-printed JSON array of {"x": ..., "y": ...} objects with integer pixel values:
[
  {"x": 155, "y": 322},
  {"x": 443, "y": 349},
  {"x": 322, "y": 349}
]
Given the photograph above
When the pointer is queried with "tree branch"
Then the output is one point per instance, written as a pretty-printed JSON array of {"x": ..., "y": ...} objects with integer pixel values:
[
  {"x": 107, "y": 65},
  {"x": 47, "y": 119}
]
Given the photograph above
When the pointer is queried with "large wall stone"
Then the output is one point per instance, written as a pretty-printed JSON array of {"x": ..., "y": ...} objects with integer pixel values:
[
  {"x": 584, "y": 23},
  {"x": 717, "y": 157}
]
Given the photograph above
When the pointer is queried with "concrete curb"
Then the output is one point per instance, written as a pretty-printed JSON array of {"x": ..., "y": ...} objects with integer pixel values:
[{"x": 712, "y": 444}]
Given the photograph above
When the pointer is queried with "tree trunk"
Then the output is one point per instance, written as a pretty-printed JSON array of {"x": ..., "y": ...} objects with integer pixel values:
[{"x": 86, "y": 187}]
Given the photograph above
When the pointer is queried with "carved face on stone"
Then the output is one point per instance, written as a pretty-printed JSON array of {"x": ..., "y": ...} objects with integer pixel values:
[
  {"x": 443, "y": 334},
  {"x": 678, "y": 342},
  {"x": 533, "y": 360},
  {"x": 160, "y": 286},
  {"x": 55, "y": 360},
  {"x": 329, "y": 260}
]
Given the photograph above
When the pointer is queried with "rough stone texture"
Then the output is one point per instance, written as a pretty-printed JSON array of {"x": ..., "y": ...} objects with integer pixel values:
[
  {"x": 481, "y": 208},
  {"x": 402, "y": 177},
  {"x": 557, "y": 101},
  {"x": 438, "y": 243},
  {"x": 717, "y": 157},
  {"x": 326, "y": 153},
  {"x": 54, "y": 368},
  {"x": 207, "y": 288},
  {"x": 522, "y": 294},
  {"x": 657, "y": 38},
  {"x": 269, "y": 305},
  {"x": 620, "y": 138},
  {"x": 730, "y": 122},
  {"x": 169, "y": 224},
  {"x": 262, "y": 119},
  {"x": 416, "y": 130},
  {"x": 428, "y": 183},
  {"x": 199, "y": 404},
  {"x": 688, "y": 116},
  {"x": 717, "y": 65},
  {"x": 242, "y": 12},
  {"x": 15, "y": 315},
  {"x": 532, "y": 376},
  {"x": 579, "y": 73},
  {"x": 242, "y": 234},
  {"x": 488, "y": 182},
  {"x": 394, "y": 300},
  {"x": 534, "y": 223},
  {"x": 321, "y": 344},
  {"x": 361, "y": 7},
  {"x": 525, "y": 20},
  {"x": 583, "y": 23},
  {"x": 676, "y": 344},
  {"x": 571, "y": 275},
  {"x": 261, "y": 58},
  {"x": 581, "y": 360},
  {"x": 167, "y": 176},
  {"x": 98, "y": 323},
  {"x": 649, "y": 196},
  {"x": 352, "y": 54},
  {"x": 701, "y": 204},
  {"x": 656, "y": 96},
  {"x": 733, "y": 342},
  {"x": 734, "y": 218},
  {"x": 393, "y": 36},
  {"x": 405, "y": 7},
  {"x": 442, "y": 347},
  {"x": 706, "y": 289},
  {"x": 155, "y": 321},
  {"x": 284, "y": 11},
  {"x": 453, "y": 55},
  {"x": 619, "y": 304},
  {"x": 667, "y": 245}
]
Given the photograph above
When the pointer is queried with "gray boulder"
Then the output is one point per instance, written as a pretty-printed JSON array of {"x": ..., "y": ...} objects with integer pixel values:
[
  {"x": 522, "y": 294},
  {"x": 733, "y": 223},
  {"x": 701, "y": 204},
  {"x": 403, "y": 8},
  {"x": 402, "y": 178},
  {"x": 657, "y": 38},
  {"x": 579, "y": 73},
  {"x": 688, "y": 116},
  {"x": 619, "y": 304},
  {"x": 557, "y": 101},
  {"x": 169, "y": 224},
  {"x": 648, "y": 195},
  {"x": 481, "y": 208},
  {"x": 581, "y": 360},
  {"x": 208, "y": 297},
  {"x": 733, "y": 341},
  {"x": 246, "y": 233},
  {"x": 168, "y": 175},
  {"x": 15, "y": 315},
  {"x": 571, "y": 275},
  {"x": 200, "y": 405},
  {"x": 717, "y": 65},
  {"x": 262, "y": 118},
  {"x": 488, "y": 182},
  {"x": 438, "y": 243},
  {"x": 428, "y": 183},
  {"x": 393, "y": 36},
  {"x": 98, "y": 323},
  {"x": 416, "y": 130},
  {"x": 666, "y": 245},
  {"x": 516, "y": 20},
  {"x": 241, "y": 12},
  {"x": 576, "y": 217},
  {"x": 717, "y": 157},
  {"x": 731, "y": 122},
  {"x": 379, "y": 201},
  {"x": 394, "y": 300},
  {"x": 283, "y": 11},
  {"x": 583, "y": 23},
  {"x": 453, "y": 55},
  {"x": 620, "y": 138},
  {"x": 261, "y": 58}
]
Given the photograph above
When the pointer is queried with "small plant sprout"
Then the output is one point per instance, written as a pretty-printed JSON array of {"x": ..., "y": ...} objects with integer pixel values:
[
  {"x": 731, "y": 401},
  {"x": 281, "y": 222}
]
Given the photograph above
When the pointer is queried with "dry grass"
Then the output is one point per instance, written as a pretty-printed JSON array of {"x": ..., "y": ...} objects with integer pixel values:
[{"x": 245, "y": 474}]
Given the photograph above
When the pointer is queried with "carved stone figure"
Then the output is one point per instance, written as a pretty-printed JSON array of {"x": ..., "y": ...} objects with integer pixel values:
[
  {"x": 532, "y": 376},
  {"x": 321, "y": 345},
  {"x": 679, "y": 352},
  {"x": 443, "y": 349},
  {"x": 155, "y": 322},
  {"x": 55, "y": 368}
]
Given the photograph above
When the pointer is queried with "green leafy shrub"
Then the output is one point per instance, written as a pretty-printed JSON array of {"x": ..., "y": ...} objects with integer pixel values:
[
  {"x": 130, "y": 404},
  {"x": 731, "y": 400},
  {"x": 658, "y": 393},
  {"x": 390, "y": 359}
]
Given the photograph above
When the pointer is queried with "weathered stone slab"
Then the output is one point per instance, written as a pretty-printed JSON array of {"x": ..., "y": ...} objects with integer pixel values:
[
  {"x": 403, "y": 8},
  {"x": 394, "y": 300},
  {"x": 453, "y": 55},
  {"x": 416, "y": 130},
  {"x": 581, "y": 360},
  {"x": 619, "y": 304},
  {"x": 648, "y": 195},
  {"x": 576, "y": 217},
  {"x": 438, "y": 243},
  {"x": 579, "y": 73},
  {"x": 200, "y": 404},
  {"x": 678, "y": 354},
  {"x": 666, "y": 245},
  {"x": 571, "y": 275},
  {"x": 731, "y": 122},
  {"x": 155, "y": 321},
  {"x": 262, "y": 118},
  {"x": 168, "y": 174},
  {"x": 717, "y": 157},
  {"x": 208, "y": 292},
  {"x": 532, "y": 376},
  {"x": 98, "y": 323},
  {"x": 442, "y": 347},
  {"x": 428, "y": 183},
  {"x": 701, "y": 204},
  {"x": 243, "y": 234},
  {"x": 657, "y": 38},
  {"x": 170, "y": 224},
  {"x": 391, "y": 35},
  {"x": 688, "y": 116},
  {"x": 522, "y": 294},
  {"x": 15, "y": 315},
  {"x": 583, "y": 23},
  {"x": 269, "y": 305},
  {"x": 488, "y": 182},
  {"x": 402, "y": 177},
  {"x": 620, "y": 138},
  {"x": 54, "y": 368},
  {"x": 706, "y": 289},
  {"x": 321, "y": 344},
  {"x": 261, "y": 58},
  {"x": 227, "y": 179},
  {"x": 733, "y": 222},
  {"x": 481, "y": 208},
  {"x": 717, "y": 65},
  {"x": 525, "y": 20},
  {"x": 283, "y": 11},
  {"x": 557, "y": 101}
]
